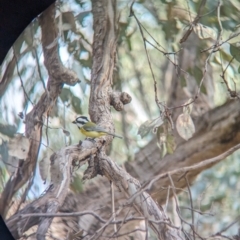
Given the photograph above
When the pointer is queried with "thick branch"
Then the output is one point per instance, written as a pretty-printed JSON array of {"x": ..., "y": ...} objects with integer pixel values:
[{"x": 104, "y": 51}]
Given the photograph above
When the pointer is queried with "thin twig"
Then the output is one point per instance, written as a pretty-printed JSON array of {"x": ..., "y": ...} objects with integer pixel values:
[
  {"x": 167, "y": 199},
  {"x": 24, "y": 195},
  {"x": 176, "y": 201},
  {"x": 37, "y": 60},
  {"x": 208, "y": 58},
  {"x": 191, "y": 202},
  {"x": 148, "y": 58},
  {"x": 227, "y": 227},
  {"x": 47, "y": 130},
  {"x": 194, "y": 167},
  {"x": 20, "y": 77},
  {"x": 113, "y": 206},
  {"x": 146, "y": 229},
  {"x": 124, "y": 221},
  {"x": 197, "y": 211},
  {"x": 233, "y": 93},
  {"x": 126, "y": 233},
  {"x": 194, "y": 22}
]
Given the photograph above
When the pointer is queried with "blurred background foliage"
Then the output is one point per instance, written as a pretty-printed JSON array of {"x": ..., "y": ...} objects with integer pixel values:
[{"x": 166, "y": 22}]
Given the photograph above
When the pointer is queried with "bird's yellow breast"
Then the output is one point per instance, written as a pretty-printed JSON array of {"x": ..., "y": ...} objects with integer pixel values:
[{"x": 91, "y": 134}]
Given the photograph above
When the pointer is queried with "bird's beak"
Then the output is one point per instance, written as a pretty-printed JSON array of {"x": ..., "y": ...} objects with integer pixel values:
[{"x": 74, "y": 122}]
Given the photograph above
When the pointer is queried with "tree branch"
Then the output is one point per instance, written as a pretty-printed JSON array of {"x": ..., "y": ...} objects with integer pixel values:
[
  {"x": 104, "y": 52},
  {"x": 58, "y": 75},
  {"x": 216, "y": 132}
]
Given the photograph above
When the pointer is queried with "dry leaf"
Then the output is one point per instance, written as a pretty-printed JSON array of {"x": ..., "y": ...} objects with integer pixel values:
[
  {"x": 204, "y": 32},
  {"x": 185, "y": 126},
  {"x": 166, "y": 140},
  {"x": 149, "y": 125},
  {"x": 44, "y": 166},
  {"x": 18, "y": 146},
  {"x": 188, "y": 109},
  {"x": 67, "y": 133}
]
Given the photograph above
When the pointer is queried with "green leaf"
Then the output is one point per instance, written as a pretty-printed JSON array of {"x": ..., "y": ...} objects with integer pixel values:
[
  {"x": 129, "y": 43},
  {"x": 235, "y": 36},
  {"x": 65, "y": 95},
  {"x": 77, "y": 184},
  {"x": 203, "y": 89},
  {"x": 76, "y": 104},
  {"x": 149, "y": 125},
  {"x": 161, "y": 138},
  {"x": 170, "y": 143},
  {"x": 189, "y": 106},
  {"x": 235, "y": 52},
  {"x": 197, "y": 73},
  {"x": 225, "y": 56},
  {"x": 183, "y": 81}
]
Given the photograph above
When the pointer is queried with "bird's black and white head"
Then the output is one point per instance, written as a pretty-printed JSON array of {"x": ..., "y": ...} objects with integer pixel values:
[{"x": 80, "y": 121}]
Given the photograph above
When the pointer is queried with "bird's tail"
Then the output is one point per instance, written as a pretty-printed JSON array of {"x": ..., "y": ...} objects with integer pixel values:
[{"x": 114, "y": 135}]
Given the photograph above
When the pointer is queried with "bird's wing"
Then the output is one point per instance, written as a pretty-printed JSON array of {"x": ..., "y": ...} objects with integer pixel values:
[
  {"x": 96, "y": 128},
  {"x": 99, "y": 129}
]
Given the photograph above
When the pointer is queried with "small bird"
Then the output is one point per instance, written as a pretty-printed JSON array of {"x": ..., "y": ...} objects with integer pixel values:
[{"x": 90, "y": 129}]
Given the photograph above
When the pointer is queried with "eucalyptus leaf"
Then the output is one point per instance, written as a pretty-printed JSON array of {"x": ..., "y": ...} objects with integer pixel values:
[
  {"x": 44, "y": 166},
  {"x": 204, "y": 32},
  {"x": 170, "y": 143},
  {"x": 149, "y": 125},
  {"x": 235, "y": 52},
  {"x": 19, "y": 146},
  {"x": 65, "y": 95},
  {"x": 185, "y": 126},
  {"x": 76, "y": 104},
  {"x": 189, "y": 106}
]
